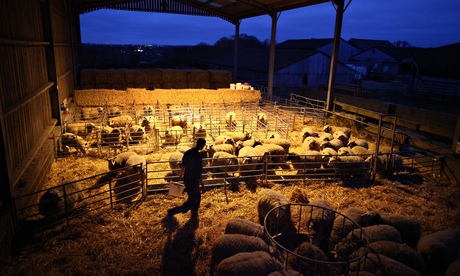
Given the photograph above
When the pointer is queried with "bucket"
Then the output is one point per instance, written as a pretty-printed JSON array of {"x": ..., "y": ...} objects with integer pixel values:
[
  {"x": 232, "y": 86},
  {"x": 176, "y": 189},
  {"x": 239, "y": 86}
]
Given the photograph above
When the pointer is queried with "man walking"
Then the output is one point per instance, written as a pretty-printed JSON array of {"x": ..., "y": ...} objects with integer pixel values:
[{"x": 192, "y": 169}]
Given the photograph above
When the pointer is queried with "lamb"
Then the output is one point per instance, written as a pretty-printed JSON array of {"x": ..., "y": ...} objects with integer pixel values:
[
  {"x": 280, "y": 142},
  {"x": 301, "y": 261},
  {"x": 82, "y": 129},
  {"x": 383, "y": 265},
  {"x": 238, "y": 136},
  {"x": 311, "y": 143},
  {"x": 320, "y": 219},
  {"x": 224, "y": 162},
  {"x": 257, "y": 263},
  {"x": 281, "y": 217},
  {"x": 230, "y": 121},
  {"x": 119, "y": 161},
  {"x": 356, "y": 239},
  {"x": 60, "y": 199},
  {"x": 121, "y": 121},
  {"x": 74, "y": 141},
  {"x": 246, "y": 227},
  {"x": 261, "y": 120},
  {"x": 398, "y": 252},
  {"x": 227, "y": 245},
  {"x": 358, "y": 142},
  {"x": 439, "y": 249},
  {"x": 335, "y": 144},
  {"x": 308, "y": 132}
]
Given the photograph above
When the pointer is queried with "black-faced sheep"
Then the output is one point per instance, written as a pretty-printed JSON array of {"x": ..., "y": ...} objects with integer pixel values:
[
  {"x": 342, "y": 137},
  {"x": 227, "y": 245},
  {"x": 279, "y": 218},
  {"x": 335, "y": 144},
  {"x": 73, "y": 141},
  {"x": 358, "y": 142},
  {"x": 60, "y": 199},
  {"x": 230, "y": 121},
  {"x": 326, "y": 154},
  {"x": 325, "y": 137},
  {"x": 320, "y": 219},
  {"x": 81, "y": 129},
  {"x": 119, "y": 161},
  {"x": 257, "y": 263},
  {"x": 311, "y": 143},
  {"x": 333, "y": 129},
  {"x": 121, "y": 121},
  {"x": 357, "y": 238},
  {"x": 302, "y": 261},
  {"x": 439, "y": 249},
  {"x": 148, "y": 122},
  {"x": 308, "y": 132}
]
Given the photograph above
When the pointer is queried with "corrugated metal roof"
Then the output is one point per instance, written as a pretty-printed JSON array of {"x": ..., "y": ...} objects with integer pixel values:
[{"x": 230, "y": 10}]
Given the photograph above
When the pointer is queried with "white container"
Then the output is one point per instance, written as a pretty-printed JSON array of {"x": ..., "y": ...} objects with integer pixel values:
[
  {"x": 176, "y": 189},
  {"x": 239, "y": 86},
  {"x": 232, "y": 86}
]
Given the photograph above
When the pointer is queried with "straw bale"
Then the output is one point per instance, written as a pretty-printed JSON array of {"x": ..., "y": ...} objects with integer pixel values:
[
  {"x": 219, "y": 76},
  {"x": 130, "y": 76},
  {"x": 168, "y": 85},
  {"x": 168, "y": 75},
  {"x": 87, "y": 77},
  {"x": 197, "y": 76},
  {"x": 179, "y": 84}
]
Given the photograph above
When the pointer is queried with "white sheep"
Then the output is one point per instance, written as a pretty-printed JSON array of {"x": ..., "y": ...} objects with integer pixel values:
[
  {"x": 325, "y": 137},
  {"x": 112, "y": 136},
  {"x": 179, "y": 120},
  {"x": 352, "y": 218},
  {"x": 119, "y": 161},
  {"x": 346, "y": 166},
  {"x": 345, "y": 151},
  {"x": 224, "y": 162},
  {"x": 115, "y": 111},
  {"x": 229, "y": 148},
  {"x": 277, "y": 153},
  {"x": 280, "y": 142},
  {"x": 439, "y": 249},
  {"x": 135, "y": 165},
  {"x": 227, "y": 245},
  {"x": 332, "y": 129},
  {"x": 238, "y": 136},
  {"x": 357, "y": 238},
  {"x": 222, "y": 139},
  {"x": 257, "y": 263},
  {"x": 409, "y": 228},
  {"x": 91, "y": 113},
  {"x": 362, "y": 151},
  {"x": 73, "y": 141},
  {"x": 268, "y": 200},
  {"x": 173, "y": 135},
  {"x": 342, "y": 137},
  {"x": 307, "y": 162},
  {"x": 175, "y": 161},
  {"x": 249, "y": 161},
  {"x": 319, "y": 221},
  {"x": 199, "y": 131},
  {"x": 262, "y": 120},
  {"x": 326, "y": 154},
  {"x": 60, "y": 199},
  {"x": 121, "y": 121},
  {"x": 82, "y": 129},
  {"x": 136, "y": 134}
]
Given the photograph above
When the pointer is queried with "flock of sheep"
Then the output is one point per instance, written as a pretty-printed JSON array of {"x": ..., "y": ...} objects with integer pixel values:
[{"x": 321, "y": 241}]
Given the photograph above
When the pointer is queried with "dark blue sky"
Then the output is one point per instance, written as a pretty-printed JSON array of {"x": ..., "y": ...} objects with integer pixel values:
[{"x": 422, "y": 23}]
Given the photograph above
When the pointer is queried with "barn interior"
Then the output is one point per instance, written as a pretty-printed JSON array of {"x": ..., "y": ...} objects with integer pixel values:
[{"x": 41, "y": 102}]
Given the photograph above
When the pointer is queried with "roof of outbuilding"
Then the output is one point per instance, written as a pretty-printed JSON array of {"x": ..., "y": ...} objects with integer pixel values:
[
  {"x": 365, "y": 44},
  {"x": 304, "y": 44},
  {"x": 230, "y": 10}
]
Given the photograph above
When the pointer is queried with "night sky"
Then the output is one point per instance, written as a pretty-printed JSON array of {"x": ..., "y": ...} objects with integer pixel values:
[{"x": 422, "y": 23}]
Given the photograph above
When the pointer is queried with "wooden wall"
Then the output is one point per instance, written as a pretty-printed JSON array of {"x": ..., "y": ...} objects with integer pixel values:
[{"x": 37, "y": 49}]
